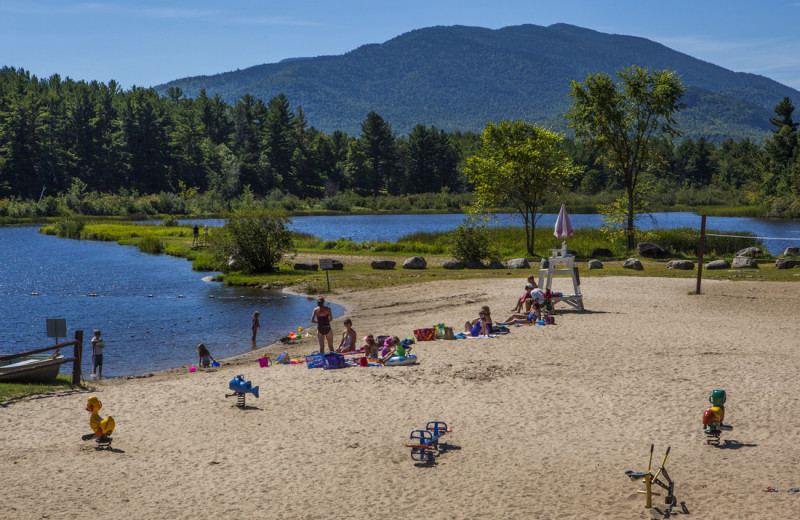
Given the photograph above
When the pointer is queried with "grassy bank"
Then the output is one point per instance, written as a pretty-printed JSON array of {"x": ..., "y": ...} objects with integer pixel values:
[{"x": 508, "y": 242}]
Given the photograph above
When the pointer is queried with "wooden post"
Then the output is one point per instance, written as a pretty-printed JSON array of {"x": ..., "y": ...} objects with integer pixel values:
[
  {"x": 76, "y": 365},
  {"x": 700, "y": 257}
]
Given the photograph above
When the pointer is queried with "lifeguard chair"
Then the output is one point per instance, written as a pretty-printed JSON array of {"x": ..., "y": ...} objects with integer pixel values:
[{"x": 560, "y": 262}]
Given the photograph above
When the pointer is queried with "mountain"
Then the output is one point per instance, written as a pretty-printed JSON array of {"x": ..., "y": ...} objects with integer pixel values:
[{"x": 458, "y": 77}]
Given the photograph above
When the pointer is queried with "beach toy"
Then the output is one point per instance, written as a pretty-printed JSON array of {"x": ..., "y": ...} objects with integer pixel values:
[
  {"x": 192, "y": 368},
  {"x": 263, "y": 361},
  {"x": 240, "y": 388},
  {"x": 215, "y": 364},
  {"x": 394, "y": 361},
  {"x": 299, "y": 329},
  {"x": 649, "y": 479},
  {"x": 283, "y": 359},
  {"x": 101, "y": 428},
  {"x": 713, "y": 417},
  {"x": 425, "y": 443}
]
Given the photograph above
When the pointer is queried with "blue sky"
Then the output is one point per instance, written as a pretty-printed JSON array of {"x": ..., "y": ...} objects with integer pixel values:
[{"x": 150, "y": 42}]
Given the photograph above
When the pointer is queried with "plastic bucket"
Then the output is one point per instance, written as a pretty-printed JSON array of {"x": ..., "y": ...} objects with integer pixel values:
[
  {"x": 263, "y": 362},
  {"x": 363, "y": 361}
]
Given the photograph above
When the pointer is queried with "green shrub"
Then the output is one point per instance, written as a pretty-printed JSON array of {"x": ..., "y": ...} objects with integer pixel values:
[
  {"x": 69, "y": 227},
  {"x": 254, "y": 240},
  {"x": 170, "y": 221},
  {"x": 470, "y": 242},
  {"x": 151, "y": 245}
]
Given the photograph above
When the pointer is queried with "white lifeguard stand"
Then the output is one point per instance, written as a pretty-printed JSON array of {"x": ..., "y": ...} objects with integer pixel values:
[{"x": 561, "y": 263}]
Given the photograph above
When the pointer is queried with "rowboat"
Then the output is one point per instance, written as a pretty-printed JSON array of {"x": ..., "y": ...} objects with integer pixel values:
[{"x": 43, "y": 374}]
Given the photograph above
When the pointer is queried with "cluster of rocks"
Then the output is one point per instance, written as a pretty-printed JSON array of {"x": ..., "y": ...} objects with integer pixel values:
[{"x": 744, "y": 259}]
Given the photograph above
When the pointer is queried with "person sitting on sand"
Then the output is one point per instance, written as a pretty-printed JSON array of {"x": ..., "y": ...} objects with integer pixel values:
[
  {"x": 481, "y": 326},
  {"x": 371, "y": 347},
  {"x": 204, "y": 355},
  {"x": 348, "y": 343},
  {"x": 525, "y": 299},
  {"x": 531, "y": 317},
  {"x": 391, "y": 347}
]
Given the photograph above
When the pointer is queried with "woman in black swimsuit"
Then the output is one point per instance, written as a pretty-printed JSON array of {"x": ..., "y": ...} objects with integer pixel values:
[{"x": 322, "y": 317}]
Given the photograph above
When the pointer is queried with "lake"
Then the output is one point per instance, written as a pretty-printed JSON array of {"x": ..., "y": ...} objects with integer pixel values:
[
  {"x": 153, "y": 310},
  {"x": 390, "y": 227}
]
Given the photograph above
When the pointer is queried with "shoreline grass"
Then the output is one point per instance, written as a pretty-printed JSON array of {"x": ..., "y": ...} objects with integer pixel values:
[{"x": 10, "y": 392}]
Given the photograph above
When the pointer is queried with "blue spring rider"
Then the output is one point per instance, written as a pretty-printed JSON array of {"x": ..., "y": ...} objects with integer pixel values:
[
  {"x": 240, "y": 388},
  {"x": 425, "y": 443}
]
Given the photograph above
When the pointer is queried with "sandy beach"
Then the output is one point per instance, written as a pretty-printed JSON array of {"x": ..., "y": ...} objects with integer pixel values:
[{"x": 546, "y": 419}]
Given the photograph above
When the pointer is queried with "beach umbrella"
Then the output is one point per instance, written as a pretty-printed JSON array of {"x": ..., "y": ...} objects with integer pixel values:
[{"x": 563, "y": 229}]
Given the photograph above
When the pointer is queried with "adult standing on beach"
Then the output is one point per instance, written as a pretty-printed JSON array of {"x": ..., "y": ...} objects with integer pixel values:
[
  {"x": 195, "y": 235},
  {"x": 255, "y": 324},
  {"x": 322, "y": 317}
]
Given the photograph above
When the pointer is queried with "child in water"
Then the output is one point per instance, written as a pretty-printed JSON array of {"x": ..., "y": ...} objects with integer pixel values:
[{"x": 204, "y": 355}]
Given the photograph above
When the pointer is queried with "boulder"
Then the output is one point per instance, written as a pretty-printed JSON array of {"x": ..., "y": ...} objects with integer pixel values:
[
  {"x": 791, "y": 251},
  {"x": 749, "y": 251},
  {"x": 651, "y": 250},
  {"x": 633, "y": 263},
  {"x": 305, "y": 266},
  {"x": 684, "y": 265},
  {"x": 474, "y": 264},
  {"x": 785, "y": 263},
  {"x": 338, "y": 265},
  {"x": 452, "y": 264},
  {"x": 518, "y": 263},
  {"x": 415, "y": 262},
  {"x": 602, "y": 252},
  {"x": 383, "y": 264},
  {"x": 744, "y": 262},
  {"x": 595, "y": 264},
  {"x": 718, "y": 264},
  {"x": 494, "y": 264}
]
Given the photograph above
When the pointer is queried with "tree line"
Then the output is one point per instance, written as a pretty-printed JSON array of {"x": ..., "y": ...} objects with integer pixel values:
[{"x": 55, "y": 132}]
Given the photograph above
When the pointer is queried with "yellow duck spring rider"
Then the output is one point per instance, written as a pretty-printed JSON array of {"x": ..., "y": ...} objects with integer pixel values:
[{"x": 101, "y": 428}]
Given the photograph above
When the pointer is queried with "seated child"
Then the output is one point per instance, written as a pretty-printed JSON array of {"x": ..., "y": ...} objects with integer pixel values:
[
  {"x": 391, "y": 347},
  {"x": 524, "y": 299},
  {"x": 371, "y": 347},
  {"x": 204, "y": 355},
  {"x": 526, "y": 319}
]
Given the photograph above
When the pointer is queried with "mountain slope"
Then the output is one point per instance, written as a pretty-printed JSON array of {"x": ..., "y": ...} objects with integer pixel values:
[{"x": 457, "y": 78}]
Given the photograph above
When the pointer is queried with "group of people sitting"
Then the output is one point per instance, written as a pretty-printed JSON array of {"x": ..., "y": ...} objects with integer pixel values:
[
  {"x": 381, "y": 353},
  {"x": 532, "y": 300}
]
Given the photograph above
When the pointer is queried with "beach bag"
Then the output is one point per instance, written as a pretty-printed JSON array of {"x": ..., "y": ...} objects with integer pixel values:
[
  {"x": 333, "y": 360},
  {"x": 314, "y": 360},
  {"x": 447, "y": 333},
  {"x": 424, "y": 334}
]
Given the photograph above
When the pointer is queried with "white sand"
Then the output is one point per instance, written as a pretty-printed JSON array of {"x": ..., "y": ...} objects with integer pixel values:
[{"x": 547, "y": 419}]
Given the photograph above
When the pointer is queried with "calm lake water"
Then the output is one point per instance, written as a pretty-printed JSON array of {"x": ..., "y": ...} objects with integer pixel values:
[
  {"x": 390, "y": 227},
  {"x": 142, "y": 333},
  {"x": 154, "y": 310}
]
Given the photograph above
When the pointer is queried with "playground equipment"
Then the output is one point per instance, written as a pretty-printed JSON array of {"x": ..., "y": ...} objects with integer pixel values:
[
  {"x": 650, "y": 479},
  {"x": 101, "y": 428},
  {"x": 713, "y": 417},
  {"x": 425, "y": 443},
  {"x": 240, "y": 388}
]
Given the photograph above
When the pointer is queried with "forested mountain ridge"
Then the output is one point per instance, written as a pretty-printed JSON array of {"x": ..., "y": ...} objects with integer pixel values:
[{"x": 458, "y": 77}]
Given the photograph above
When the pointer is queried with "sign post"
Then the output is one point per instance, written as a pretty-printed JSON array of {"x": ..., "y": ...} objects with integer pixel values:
[
  {"x": 56, "y": 328},
  {"x": 326, "y": 264}
]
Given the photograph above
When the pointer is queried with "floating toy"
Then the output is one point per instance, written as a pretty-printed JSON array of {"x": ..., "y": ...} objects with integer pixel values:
[
  {"x": 425, "y": 444},
  {"x": 101, "y": 428},
  {"x": 240, "y": 388},
  {"x": 649, "y": 479},
  {"x": 409, "y": 359},
  {"x": 713, "y": 417}
]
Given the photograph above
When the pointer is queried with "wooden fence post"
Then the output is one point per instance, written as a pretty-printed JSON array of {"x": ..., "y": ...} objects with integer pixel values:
[
  {"x": 76, "y": 365},
  {"x": 700, "y": 256}
]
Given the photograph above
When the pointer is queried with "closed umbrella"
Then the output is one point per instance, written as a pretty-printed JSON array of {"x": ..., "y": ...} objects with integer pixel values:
[{"x": 563, "y": 229}]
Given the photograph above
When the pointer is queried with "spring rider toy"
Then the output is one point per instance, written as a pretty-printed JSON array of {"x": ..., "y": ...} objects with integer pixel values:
[
  {"x": 101, "y": 428},
  {"x": 713, "y": 417},
  {"x": 649, "y": 479},
  {"x": 241, "y": 387}
]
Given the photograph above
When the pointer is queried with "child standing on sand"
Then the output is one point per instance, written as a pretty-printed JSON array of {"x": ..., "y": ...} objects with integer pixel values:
[
  {"x": 97, "y": 355},
  {"x": 255, "y": 325},
  {"x": 204, "y": 355}
]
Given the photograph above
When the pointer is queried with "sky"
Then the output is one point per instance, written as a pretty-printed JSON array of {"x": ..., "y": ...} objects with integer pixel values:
[{"x": 147, "y": 43}]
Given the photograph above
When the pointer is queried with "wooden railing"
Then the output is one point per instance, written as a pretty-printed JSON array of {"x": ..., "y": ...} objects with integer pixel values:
[{"x": 77, "y": 343}]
